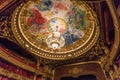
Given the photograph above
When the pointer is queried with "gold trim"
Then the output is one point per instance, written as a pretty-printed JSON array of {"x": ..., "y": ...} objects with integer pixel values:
[
  {"x": 81, "y": 63},
  {"x": 17, "y": 63},
  {"x": 12, "y": 75},
  {"x": 117, "y": 31},
  {"x": 47, "y": 52},
  {"x": 81, "y": 71}
]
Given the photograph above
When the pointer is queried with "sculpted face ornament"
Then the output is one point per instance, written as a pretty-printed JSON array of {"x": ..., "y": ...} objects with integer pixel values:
[{"x": 53, "y": 30}]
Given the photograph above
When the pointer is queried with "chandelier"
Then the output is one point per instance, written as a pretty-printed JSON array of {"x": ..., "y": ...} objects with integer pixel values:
[{"x": 55, "y": 40}]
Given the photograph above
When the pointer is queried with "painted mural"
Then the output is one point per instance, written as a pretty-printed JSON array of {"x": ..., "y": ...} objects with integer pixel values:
[
  {"x": 55, "y": 29},
  {"x": 61, "y": 16}
]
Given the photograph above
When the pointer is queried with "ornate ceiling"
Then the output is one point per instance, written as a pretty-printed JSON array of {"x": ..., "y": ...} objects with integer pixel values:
[
  {"x": 35, "y": 25},
  {"x": 50, "y": 30},
  {"x": 53, "y": 34}
]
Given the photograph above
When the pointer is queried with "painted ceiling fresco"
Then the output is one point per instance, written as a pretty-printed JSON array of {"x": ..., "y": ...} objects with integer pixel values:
[
  {"x": 68, "y": 23},
  {"x": 53, "y": 16}
]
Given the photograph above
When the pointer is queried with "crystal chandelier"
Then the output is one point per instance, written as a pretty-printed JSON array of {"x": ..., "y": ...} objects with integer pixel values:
[{"x": 55, "y": 40}]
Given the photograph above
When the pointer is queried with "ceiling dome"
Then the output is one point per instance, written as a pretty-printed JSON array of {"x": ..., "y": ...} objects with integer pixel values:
[{"x": 55, "y": 29}]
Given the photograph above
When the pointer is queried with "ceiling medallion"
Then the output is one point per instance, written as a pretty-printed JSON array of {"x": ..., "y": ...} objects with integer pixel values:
[{"x": 50, "y": 29}]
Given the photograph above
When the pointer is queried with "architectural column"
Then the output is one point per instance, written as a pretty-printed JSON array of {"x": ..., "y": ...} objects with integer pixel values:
[
  {"x": 117, "y": 31},
  {"x": 36, "y": 72},
  {"x": 111, "y": 67}
]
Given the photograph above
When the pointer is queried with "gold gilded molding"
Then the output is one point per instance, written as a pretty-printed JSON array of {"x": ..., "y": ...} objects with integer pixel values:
[
  {"x": 82, "y": 68},
  {"x": 81, "y": 63},
  {"x": 17, "y": 63},
  {"x": 29, "y": 42},
  {"x": 117, "y": 31},
  {"x": 12, "y": 75},
  {"x": 75, "y": 70},
  {"x": 5, "y": 32}
]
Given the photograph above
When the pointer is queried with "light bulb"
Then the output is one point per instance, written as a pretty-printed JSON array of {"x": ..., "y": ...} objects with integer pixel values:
[{"x": 55, "y": 45}]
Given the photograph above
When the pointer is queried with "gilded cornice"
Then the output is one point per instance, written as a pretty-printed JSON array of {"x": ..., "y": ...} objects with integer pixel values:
[
  {"x": 82, "y": 68},
  {"x": 15, "y": 76},
  {"x": 17, "y": 63},
  {"x": 97, "y": 53}
]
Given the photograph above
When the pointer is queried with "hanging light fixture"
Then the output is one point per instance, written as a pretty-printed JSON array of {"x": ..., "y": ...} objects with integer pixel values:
[{"x": 55, "y": 40}]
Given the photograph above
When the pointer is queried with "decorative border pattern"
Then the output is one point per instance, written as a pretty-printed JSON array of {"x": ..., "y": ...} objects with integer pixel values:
[
  {"x": 52, "y": 54},
  {"x": 77, "y": 69},
  {"x": 12, "y": 75},
  {"x": 18, "y": 63}
]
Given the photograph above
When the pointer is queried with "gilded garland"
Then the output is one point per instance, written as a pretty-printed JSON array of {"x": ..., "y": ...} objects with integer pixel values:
[{"x": 55, "y": 29}]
